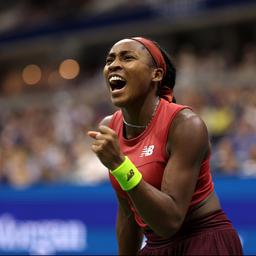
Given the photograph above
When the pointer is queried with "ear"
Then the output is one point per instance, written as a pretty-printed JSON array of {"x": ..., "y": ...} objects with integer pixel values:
[{"x": 157, "y": 75}]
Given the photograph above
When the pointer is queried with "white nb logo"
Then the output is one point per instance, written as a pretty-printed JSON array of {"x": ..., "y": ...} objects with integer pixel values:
[{"x": 147, "y": 151}]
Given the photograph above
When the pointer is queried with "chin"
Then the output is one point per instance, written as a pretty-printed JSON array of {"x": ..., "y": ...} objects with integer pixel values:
[{"x": 118, "y": 102}]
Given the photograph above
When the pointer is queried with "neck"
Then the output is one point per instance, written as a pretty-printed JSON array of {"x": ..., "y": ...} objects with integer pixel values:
[
  {"x": 134, "y": 125},
  {"x": 137, "y": 125}
]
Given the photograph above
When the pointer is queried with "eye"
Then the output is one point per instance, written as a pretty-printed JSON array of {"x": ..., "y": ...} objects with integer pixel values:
[
  {"x": 109, "y": 60},
  {"x": 128, "y": 57}
]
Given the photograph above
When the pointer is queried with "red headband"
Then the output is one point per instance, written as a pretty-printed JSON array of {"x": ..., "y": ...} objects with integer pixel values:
[
  {"x": 154, "y": 52},
  {"x": 165, "y": 92}
]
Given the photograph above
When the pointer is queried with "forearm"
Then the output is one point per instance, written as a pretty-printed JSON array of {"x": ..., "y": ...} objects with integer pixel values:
[
  {"x": 129, "y": 235},
  {"x": 157, "y": 209}
]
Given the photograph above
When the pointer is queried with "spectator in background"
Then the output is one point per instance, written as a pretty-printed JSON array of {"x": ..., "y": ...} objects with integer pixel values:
[
  {"x": 248, "y": 167},
  {"x": 243, "y": 138},
  {"x": 20, "y": 168},
  {"x": 224, "y": 160},
  {"x": 87, "y": 169}
]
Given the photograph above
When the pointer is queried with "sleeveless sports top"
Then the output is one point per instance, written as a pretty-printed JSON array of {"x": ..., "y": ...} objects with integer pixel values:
[{"x": 148, "y": 152}]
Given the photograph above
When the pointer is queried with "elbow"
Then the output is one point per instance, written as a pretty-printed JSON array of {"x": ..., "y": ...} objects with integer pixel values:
[{"x": 168, "y": 229}]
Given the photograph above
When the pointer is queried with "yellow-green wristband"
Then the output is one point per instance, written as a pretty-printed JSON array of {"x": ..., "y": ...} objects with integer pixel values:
[{"x": 127, "y": 175}]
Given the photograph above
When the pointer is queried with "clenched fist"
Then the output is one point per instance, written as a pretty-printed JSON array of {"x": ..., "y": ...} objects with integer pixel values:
[{"x": 106, "y": 147}]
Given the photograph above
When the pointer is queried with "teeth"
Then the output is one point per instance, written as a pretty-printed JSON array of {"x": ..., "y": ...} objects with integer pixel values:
[{"x": 116, "y": 78}]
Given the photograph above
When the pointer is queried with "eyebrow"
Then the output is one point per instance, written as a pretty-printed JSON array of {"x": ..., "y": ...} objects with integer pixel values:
[{"x": 112, "y": 54}]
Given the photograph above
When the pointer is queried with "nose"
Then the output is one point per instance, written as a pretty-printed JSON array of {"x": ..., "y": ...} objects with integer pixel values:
[{"x": 115, "y": 64}]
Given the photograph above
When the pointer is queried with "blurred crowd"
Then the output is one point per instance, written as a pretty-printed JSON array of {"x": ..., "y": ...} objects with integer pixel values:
[
  {"x": 19, "y": 15},
  {"x": 223, "y": 93},
  {"x": 47, "y": 142}
]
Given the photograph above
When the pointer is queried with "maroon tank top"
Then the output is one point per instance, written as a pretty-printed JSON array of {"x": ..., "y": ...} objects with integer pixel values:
[{"x": 148, "y": 152}]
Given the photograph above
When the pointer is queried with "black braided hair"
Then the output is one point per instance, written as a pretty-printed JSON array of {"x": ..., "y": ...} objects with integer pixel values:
[{"x": 170, "y": 76}]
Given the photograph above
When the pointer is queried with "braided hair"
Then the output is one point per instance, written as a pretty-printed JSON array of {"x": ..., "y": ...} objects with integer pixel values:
[{"x": 169, "y": 78}]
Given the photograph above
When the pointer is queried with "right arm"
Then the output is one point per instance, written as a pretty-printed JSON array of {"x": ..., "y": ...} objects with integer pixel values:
[{"x": 129, "y": 234}]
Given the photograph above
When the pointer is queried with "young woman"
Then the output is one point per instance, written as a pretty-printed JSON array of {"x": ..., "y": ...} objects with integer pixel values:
[{"x": 158, "y": 154}]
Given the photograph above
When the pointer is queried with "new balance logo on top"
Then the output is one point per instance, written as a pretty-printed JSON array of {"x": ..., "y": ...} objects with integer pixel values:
[
  {"x": 147, "y": 151},
  {"x": 130, "y": 174}
]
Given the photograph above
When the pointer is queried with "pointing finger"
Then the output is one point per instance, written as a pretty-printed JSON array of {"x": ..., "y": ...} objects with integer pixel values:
[{"x": 92, "y": 134}]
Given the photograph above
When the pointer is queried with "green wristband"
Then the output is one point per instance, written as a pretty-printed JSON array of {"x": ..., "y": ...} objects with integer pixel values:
[{"x": 127, "y": 175}]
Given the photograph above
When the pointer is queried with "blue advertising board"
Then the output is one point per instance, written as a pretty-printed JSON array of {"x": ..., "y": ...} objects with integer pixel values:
[
  {"x": 238, "y": 199},
  {"x": 52, "y": 220},
  {"x": 79, "y": 220}
]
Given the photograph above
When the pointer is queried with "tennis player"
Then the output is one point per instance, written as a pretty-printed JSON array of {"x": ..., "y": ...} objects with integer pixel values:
[{"x": 158, "y": 156}]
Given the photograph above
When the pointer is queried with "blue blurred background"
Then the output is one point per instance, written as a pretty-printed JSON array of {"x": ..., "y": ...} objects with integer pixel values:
[{"x": 55, "y": 197}]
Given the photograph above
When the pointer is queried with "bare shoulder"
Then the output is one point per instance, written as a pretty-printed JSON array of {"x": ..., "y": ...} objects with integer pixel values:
[
  {"x": 186, "y": 118},
  {"x": 106, "y": 120},
  {"x": 188, "y": 127}
]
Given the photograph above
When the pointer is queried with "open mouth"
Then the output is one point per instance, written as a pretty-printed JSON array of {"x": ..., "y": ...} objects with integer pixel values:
[{"x": 116, "y": 82}]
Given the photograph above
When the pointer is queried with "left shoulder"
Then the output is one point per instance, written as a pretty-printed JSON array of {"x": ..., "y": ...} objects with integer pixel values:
[
  {"x": 188, "y": 130},
  {"x": 186, "y": 118}
]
